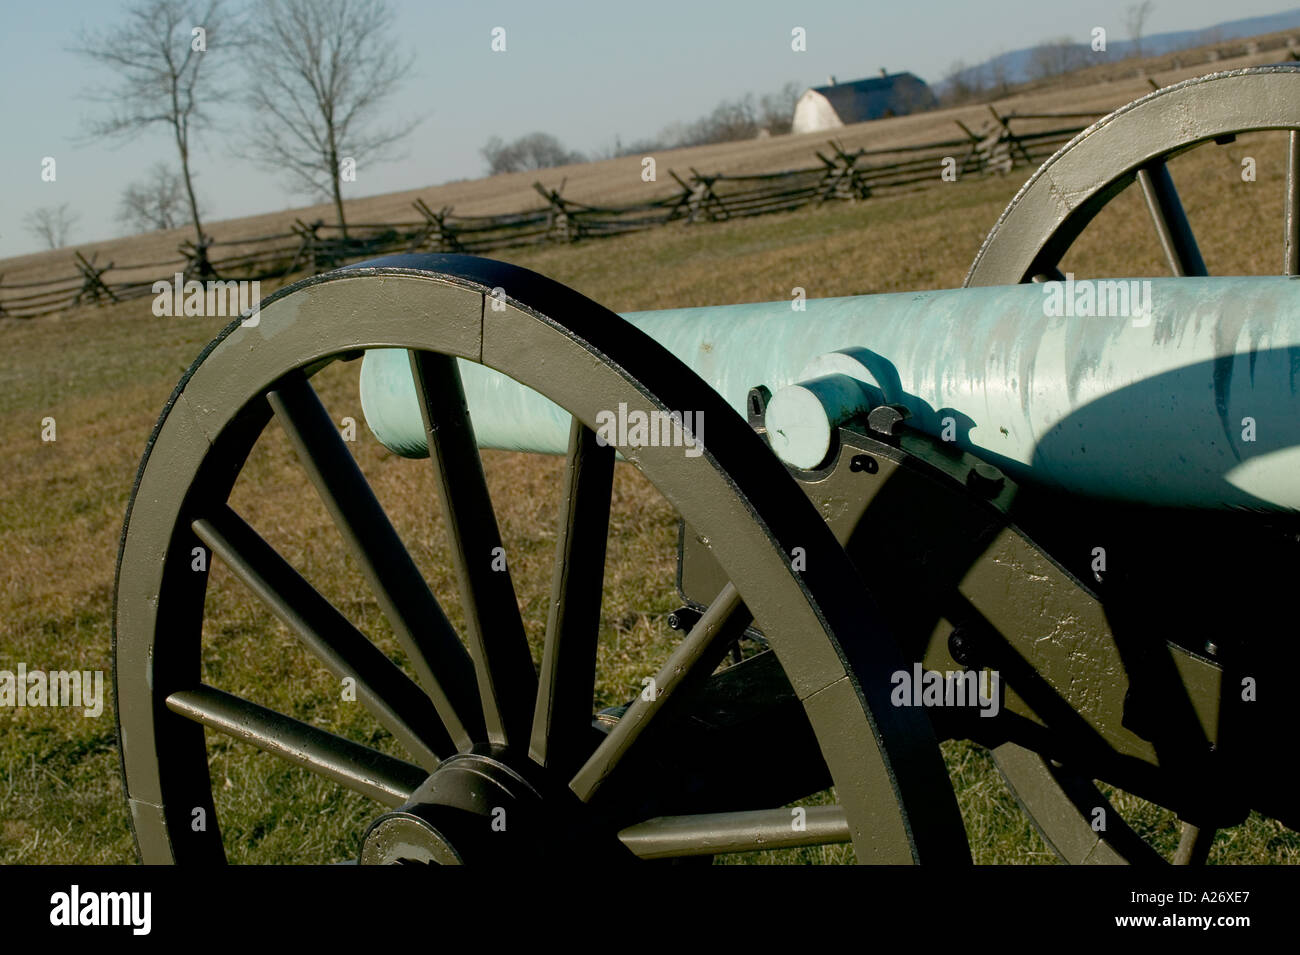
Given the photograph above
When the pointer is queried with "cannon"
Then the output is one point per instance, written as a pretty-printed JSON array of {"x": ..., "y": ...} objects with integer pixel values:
[{"x": 1053, "y": 516}]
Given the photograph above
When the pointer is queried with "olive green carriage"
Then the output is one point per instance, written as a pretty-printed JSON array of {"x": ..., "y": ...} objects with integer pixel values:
[{"x": 876, "y": 495}]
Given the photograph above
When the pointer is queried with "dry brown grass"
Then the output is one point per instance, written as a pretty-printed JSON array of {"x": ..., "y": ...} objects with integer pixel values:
[{"x": 105, "y": 373}]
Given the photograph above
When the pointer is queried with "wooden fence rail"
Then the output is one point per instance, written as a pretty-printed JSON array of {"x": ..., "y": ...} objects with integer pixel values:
[{"x": 318, "y": 246}]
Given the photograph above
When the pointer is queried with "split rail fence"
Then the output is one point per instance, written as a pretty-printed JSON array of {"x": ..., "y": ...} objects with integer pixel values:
[{"x": 319, "y": 246}]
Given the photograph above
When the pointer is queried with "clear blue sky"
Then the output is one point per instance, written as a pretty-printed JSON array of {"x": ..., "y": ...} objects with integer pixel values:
[{"x": 583, "y": 71}]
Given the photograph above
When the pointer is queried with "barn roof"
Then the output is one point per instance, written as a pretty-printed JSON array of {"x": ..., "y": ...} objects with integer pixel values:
[{"x": 870, "y": 98}]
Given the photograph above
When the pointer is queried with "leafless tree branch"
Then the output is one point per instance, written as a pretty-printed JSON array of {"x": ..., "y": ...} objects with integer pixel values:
[
  {"x": 158, "y": 66},
  {"x": 51, "y": 224},
  {"x": 321, "y": 70},
  {"x": 156, "y": 202},
  {"x": 1136, "y": 20}
]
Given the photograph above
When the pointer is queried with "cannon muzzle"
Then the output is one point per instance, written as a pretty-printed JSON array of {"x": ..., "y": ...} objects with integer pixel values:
[{"x": 1178, "y": 392}]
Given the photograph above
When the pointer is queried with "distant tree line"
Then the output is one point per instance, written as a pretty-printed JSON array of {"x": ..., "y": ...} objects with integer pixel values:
[
  {"x": 992, "y": 79},
  {"x": 534, "y": 151},
  {"x": 730, "y": 121},
  {"x": 1050, "y": 58}
]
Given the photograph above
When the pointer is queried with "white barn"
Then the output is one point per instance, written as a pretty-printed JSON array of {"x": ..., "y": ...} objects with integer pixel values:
[{"x": 838, "y": 104}]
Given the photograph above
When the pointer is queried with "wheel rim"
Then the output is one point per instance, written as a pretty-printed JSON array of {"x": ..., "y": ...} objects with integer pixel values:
[
  {"x": 894, "y": 794},
  {"x": 1062, "y": 197},
  {"x": 1030, "y": 238}
]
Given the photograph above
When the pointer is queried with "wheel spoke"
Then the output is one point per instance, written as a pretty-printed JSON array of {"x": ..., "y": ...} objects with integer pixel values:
[
  {"x": 1291, "y": 257},
  {"x": 562, "y": 718},
  {"x": 721, "y": 832},
  {"x": 688, "y": 666},
  {"x": 436, "y": 653},
  {"x": 382, "y": 778},
  {"x": 507, "y": 681},
  {"x": 381, "y": 686},
  {"x": 1194, "y": 845},
  {"x": 1062, "y": 803},
  {"x": 1171, "y": 223}
]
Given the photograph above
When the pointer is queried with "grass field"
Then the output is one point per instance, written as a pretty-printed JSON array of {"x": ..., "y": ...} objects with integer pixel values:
[{"x": 103, "y": 374}]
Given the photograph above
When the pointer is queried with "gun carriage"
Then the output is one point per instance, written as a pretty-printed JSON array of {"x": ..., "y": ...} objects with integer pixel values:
[{"x": 870, "y": 490}]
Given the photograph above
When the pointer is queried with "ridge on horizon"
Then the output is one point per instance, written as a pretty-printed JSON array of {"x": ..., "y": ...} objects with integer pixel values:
[{"x": 1016, "y": 63}]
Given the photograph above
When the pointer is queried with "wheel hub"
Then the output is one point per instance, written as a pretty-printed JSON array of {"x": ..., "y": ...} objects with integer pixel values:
[{"x": 473, "y": 808}]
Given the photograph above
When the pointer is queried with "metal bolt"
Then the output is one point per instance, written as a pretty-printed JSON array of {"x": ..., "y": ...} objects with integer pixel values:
[
  {"x": 985, "y": 479},
  {"x": 961, "y": 645},
  {"x": 683, "y": 618}
]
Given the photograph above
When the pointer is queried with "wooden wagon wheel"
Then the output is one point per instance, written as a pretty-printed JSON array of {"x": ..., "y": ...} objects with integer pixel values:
[
  {"x": 1031, "y": 237},
  {"x": 483, "y": 730}
]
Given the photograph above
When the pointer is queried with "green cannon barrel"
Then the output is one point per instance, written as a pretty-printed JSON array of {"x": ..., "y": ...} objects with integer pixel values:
[{"x": 1176, "y": 392}]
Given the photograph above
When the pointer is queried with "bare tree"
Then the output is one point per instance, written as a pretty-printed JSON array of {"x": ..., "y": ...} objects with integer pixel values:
[
  {"x": 319, "y": 73},
  {"x": 961, "y": 83},
  {"x": 610, "y": 151},
  {"x": 998, "y": 76},
  {"x": 777, "y": 109},
  {"x": 1056, "y": 57},
  {"x": 731, "y": 120},
  {"x": 1136, "y": 20},
  {"x": 159, "y": 53},
  {"x": 155, "y": 202},
  {"x": 51, "y": 224},
  {"x": 637, "y": 147},
  {"x": 534, "y": 151}
]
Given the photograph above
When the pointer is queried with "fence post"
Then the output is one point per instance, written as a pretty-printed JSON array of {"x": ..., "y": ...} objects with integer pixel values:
[
  {"x": 93, "y": 285},
  {"x": 852, "y": 185},
  {"x": 299, "y": 229},
  {"x": 972, "y": 153},
  {"x": 563, "y": 224},
  {"x": 682, "y": 201},
  {"x": 426, "y": 231},
  {"x": 446, "y": 234},
  {"x": 1013, "y": 141},
  {"x": 841, "y": 180},
  {"x": 702, "y": 196},
  {"x": 435, "y": 232},
  {"x": 198, "y": 265},
  {"x": 321, "y": 260}
]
